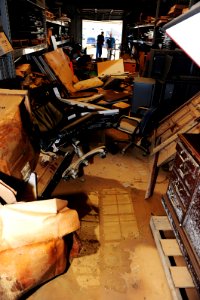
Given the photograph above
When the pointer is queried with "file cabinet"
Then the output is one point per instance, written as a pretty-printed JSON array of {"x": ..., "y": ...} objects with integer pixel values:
[{"x": 182, "y": 201}]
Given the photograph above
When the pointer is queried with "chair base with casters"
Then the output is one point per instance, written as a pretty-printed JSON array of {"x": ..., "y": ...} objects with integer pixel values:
[
  {"x": 138, "y": 129},
  {"x": 142, "y": 144}
]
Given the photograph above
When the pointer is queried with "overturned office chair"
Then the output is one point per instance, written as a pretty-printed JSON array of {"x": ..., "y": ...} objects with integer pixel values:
[
  {"x": 138, "y": 129},
  {"x": 64, "y": 130}
]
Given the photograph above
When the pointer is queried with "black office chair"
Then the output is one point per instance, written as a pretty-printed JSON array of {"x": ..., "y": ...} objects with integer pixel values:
[
  {"x": 63, "y": 129},
  {"x": 138, "y": 128}
]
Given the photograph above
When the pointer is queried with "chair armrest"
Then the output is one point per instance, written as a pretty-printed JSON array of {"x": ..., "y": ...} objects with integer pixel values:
[
  {"x": 124, "y": 117},
  {"x": 141, "y": 110},
  {"x": 128, "y": 124}
]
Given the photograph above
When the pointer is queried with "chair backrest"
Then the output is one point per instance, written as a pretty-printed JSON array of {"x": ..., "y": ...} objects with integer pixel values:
[
  {"x": 149, "y": 121},
  {"x": 60, "y": 64}
]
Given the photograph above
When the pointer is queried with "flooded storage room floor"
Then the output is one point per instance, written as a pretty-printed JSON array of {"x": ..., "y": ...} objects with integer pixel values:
[{"x": 119, "y": 259}]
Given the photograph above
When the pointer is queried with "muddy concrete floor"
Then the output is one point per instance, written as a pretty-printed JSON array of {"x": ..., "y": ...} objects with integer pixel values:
[{"x": 119, "y": 259}]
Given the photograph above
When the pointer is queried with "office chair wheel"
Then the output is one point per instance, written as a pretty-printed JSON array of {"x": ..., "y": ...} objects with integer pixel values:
[
  {"x": 130, "y": 144},
  {"x": 102, "y": 155},
  {"x": 112, "y": 147},
  {"x": 123, "y": 151},
  {"x": 145, "y": 144}
]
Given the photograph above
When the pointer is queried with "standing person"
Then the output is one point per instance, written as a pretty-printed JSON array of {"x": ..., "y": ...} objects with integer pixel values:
[
  {"x": 100, "y": 42},
  {"x": 110, "y": 46}
]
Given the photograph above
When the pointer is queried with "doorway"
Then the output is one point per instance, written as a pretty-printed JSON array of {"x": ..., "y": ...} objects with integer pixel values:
[{"x": 90, "y": 30}]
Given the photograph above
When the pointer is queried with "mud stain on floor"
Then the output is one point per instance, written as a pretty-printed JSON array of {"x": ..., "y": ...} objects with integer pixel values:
[{"x": 118, "y": 259}]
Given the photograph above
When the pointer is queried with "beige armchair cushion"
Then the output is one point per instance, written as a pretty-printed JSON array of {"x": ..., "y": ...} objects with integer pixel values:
[{"x": 25, "y": 223}]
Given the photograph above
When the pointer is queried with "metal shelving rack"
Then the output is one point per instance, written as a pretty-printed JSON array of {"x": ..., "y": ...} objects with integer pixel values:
[
  {"x": 7, "y": 61},
  {"x": 7, "y": 69}
]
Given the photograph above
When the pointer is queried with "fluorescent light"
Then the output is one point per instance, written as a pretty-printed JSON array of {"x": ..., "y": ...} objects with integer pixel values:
[{"x": 183, "y": 30}]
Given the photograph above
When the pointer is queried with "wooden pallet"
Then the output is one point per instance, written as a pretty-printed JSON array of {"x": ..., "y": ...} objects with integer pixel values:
[{"x": 178, "y": 277}]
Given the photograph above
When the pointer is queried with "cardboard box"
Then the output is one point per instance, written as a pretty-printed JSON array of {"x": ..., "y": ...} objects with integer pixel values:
[
  {"x": 129, "y": 66},
  {"x": 5, "y": 46},
  {"x": 176, "y": 10},
  {"x": 18, "y": 155},
  {"x": 23, "y": 70}
]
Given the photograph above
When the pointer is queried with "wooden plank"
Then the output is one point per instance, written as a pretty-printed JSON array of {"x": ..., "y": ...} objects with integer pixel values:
[
  {"x": 181, "y": 277},
  {"x": 161, "y": 223},
  {"x": 170, "y": 247},
  {"x": 110, "y": 67},
  {"x": 168, "y": 153},
  {"x": 13, "y": 92},
  {"x": 174, "y": 125},
  {"x": 176, "y": 295},
  {"x": 154, "y": 169},
  {"x": 153, "y": 176},
  {"x": 192, "y": 105},
  {"x": 195, "y": 109},
  {"x": 182, "y": 120},
  {"x": 174, "y": 136}
]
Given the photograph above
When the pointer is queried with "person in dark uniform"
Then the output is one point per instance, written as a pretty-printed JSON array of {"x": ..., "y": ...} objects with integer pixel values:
[
  {"x": 100, "y": 42},
  {"x": 110, "y": 46}
]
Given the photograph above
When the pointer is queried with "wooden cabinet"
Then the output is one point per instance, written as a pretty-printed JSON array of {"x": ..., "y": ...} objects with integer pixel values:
[{"x": 182, "y": 201}]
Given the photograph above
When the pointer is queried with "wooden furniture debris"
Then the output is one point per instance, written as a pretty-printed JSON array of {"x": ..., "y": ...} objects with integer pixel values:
[
  {"x": 182, "y": 201},
  {"x": 175, "y": 268},
  {"x": 184, "y": 119}
]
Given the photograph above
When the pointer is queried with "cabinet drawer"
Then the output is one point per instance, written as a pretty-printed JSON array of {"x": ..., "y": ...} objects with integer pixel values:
[
  {"x": 174, "y": 199},
  {"x": 192, "y": 223},
  {"x": 185, "y": 157},
  {"x": 186, "y": 168},
  {"x": 180, "y": 189},
  {"x": 188, "y": 172}
]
